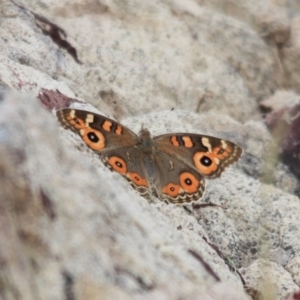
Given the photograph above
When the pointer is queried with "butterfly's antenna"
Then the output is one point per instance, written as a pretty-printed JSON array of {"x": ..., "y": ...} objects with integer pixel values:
[
  {"x": 167, "y": 112},
  {"x": 163, "y": 116}
]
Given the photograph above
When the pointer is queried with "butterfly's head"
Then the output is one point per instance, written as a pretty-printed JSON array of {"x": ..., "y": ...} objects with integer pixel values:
[{"x": 145, "y": 139}]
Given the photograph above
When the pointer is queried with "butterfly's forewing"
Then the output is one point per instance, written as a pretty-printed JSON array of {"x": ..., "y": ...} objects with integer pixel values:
[
  {"x": 205, "y": 154},
  {"x": 114, "y": 142}
]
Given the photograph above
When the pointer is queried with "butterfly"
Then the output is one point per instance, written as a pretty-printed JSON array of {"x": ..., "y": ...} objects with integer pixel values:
[{"x": 171, "y": 166}]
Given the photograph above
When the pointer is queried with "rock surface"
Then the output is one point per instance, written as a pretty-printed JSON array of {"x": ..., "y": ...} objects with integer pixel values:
[{"x": 71, "y": 229}]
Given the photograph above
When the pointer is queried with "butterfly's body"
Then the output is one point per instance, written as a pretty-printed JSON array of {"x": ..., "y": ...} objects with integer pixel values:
[{"x": 170, "y": 166}]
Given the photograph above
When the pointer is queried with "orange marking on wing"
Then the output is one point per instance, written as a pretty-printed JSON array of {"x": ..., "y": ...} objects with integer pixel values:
[
  {"x": 118, "y": 164},
  {"x": 174, "y": 141},
  {"x": 107, "y": 126},
  {"x": 199, "y": 160},
  {"x": 119, "y": 130},
  {"x": 222, "y": 153},
  {"x": 189, "y": 182},
  {"x": 75, "y": 122},
  {"x": 187, "y": 141},
  {"x": 93, "y": 138},
  {"x": 137, "y": 179},
  {"x": 172, "y": 189}
]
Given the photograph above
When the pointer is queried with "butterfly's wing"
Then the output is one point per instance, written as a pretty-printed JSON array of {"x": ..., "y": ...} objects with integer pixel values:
[
  {"x": 115, "y": 143},
  {"x": 207, "y": 155},
  {"x": 98, "y": 132},
  {"x": 176, "y": 182},
  {"x": 185, "y": 159},
  {"x": 128, "y": 162}
]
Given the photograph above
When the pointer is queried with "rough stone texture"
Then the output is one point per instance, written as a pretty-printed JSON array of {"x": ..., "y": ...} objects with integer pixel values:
[
  {"x": 71, "y": 229},
  {"x": 281, "y": 99},
  {"x": 294, "y": 268},
  {"x": 270, "y": 278},
  {"x": 72, "y": 224}
]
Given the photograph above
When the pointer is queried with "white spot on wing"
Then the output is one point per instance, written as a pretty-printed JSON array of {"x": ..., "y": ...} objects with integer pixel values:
[
  {"x": 224, "y": 144},
  {"x": 206, "y": 143},
  {"x": 72, "y": 113},
  {"x": 217, "y": 161},
  {"x": 89, "y": 119},
  {"x": 128, "y": 155}
]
